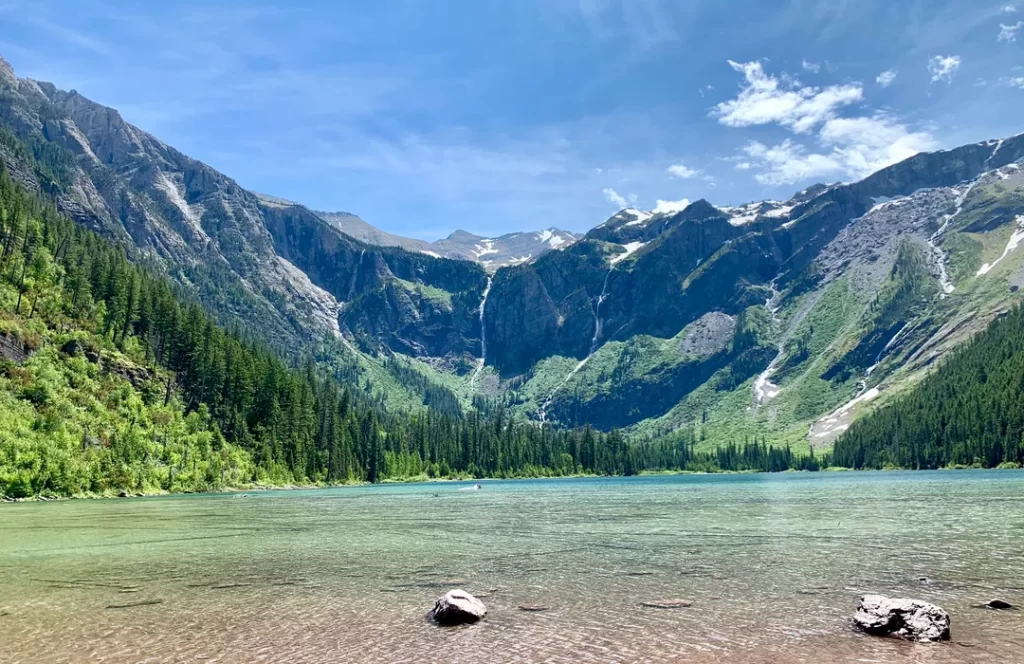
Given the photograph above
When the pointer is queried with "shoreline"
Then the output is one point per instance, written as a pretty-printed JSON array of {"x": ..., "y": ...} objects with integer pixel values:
[{"x": 262, "y": 488}]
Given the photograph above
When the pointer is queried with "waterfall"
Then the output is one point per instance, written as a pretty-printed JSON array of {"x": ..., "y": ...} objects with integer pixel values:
[
  {"x": 764, "y": 389},
  {"x": 355, "y": 276},
  {"x": 598, "y": 324},
  {"x": 597, "y": 314},
  {"x": 483, "y": 333},
  {"x": 940, "y": 256}
]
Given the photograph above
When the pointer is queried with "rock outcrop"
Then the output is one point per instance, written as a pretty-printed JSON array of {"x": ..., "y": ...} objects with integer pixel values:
[
  {"x": 457, "y": 607},
  {"x": 909, "y": 619}
]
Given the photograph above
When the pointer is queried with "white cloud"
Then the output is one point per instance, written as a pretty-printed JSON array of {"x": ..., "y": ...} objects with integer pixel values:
[
  {"x": 853, "y": 147},
  {"x": 671, "y": 207},
  {"x": 1008, "y": 33},
  {"x": 886, "y": 78},
  {"x": 1012, "y": 82},
  {"x": 812, "y": 67},
  {"x": 1009, "y": 9},
  {"x": 788, "y": 162},
  {"x": 683, "y": 172},
  {"x": 849, "y": 147},
  {"x": 614, "y": 197},
  {"x": 764, "y": 100},
  {"x": 866, "y": 144},
  {"x": 943, "y": 67}
]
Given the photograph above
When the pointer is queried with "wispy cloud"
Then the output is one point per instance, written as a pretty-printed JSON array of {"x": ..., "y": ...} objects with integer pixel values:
[
  {"x": 853, "y": 148},
  {"x": 644, "y": 23},
  {"x": 943, "y": 67},
  {"x": 1008, "y": 33},
  {"x": 682, "y": 171},
  {"x": 886, "y": 78},
  {"x": 74, "y": 37},
  {"x": 812, "y": 67},
  {"x": 846, "y": 146},
  {"x": 615, "y": 198},
  {"x": 765, "y": 99}
]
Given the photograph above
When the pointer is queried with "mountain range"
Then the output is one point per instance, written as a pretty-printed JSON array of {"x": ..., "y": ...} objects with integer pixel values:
[
  {"x": 491, "y": 252},
  {"x": 777, "y": 319}
]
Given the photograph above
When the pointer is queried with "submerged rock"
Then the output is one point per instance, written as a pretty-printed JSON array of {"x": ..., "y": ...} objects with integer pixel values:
[
  {"x": 909, "y": 619},
  {"x": 667, "y": 604},
  {"x": 996, "y": 604},
  {"x": 533, "y": 608},
  {"x": 129, "y": 605},
  {"x": 458, "y": 607}
]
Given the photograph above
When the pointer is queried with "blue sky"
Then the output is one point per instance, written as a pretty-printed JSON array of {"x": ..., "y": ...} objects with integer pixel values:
[{"x": 427, "y": 116}]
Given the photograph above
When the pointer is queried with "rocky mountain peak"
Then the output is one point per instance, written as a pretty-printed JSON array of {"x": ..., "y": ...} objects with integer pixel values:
[{"x": 7, "y": 74}]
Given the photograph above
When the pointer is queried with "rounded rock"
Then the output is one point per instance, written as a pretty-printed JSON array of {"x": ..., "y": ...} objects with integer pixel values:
[
  {"x": 458, "y": 607},
  {"x": 909, "y": 619}
]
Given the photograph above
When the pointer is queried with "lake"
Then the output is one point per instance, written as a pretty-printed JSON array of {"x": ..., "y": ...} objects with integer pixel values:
[{"x": 773, "y": 566}]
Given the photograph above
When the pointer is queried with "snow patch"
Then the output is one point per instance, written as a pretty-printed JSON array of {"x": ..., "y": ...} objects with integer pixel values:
[
  {"x": 779, "y": 212},
  {"x": 839, "y": 420},
  {"x": 639, "y": 218},
  {"x": 485, "y": 247},
  {"x": 630, "y": 247},
  {"x": 845, "y": 408},
  {"x": 742, "y": 219},
  {"x": 1014, "y": 242},
  {"x": 557, "y": 241}
]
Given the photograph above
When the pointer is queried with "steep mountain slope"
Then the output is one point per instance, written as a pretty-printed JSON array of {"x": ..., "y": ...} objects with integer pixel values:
[
  {"x": 247, "y": 257},
  {"x": 775, "y": 318},
  {"x": 968, "y": 413},
  {"x": 492, "y": 253},
  {"x": 762, "y": 318}
]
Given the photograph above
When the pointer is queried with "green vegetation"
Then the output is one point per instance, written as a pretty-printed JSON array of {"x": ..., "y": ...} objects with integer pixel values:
[
  {"x": 435, "y": 295},
  {"x": 112, "y": 382},
  {"x": 968, "y": 413}
]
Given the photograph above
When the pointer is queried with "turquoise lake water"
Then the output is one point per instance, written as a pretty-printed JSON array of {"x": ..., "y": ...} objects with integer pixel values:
[{"x": 773, "y": 566}]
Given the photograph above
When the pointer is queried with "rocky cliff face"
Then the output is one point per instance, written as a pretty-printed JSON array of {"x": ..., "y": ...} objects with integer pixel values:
[
  {"x": 248, "y": 257},
  {"x": 850, "y": 288},
  {"x": 775, "y": 318}
]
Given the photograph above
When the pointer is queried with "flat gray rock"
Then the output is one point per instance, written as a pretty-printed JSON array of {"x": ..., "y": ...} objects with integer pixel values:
[{"x": 909, "y": 619}]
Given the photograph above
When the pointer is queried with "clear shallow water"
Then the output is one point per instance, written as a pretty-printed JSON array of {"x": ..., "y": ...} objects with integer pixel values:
[{"x": 772, "y": 563}]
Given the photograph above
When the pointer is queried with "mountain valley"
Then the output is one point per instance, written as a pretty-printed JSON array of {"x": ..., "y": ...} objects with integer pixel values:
[{"x": 774, "y": 320}]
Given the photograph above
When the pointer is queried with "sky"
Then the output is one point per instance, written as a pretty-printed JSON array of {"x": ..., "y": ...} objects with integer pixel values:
[{"x": 424, "y": 117}]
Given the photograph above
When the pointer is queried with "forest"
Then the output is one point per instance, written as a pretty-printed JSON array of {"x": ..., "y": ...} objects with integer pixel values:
[
  {"x": 113, "y": 380},
  {"x": 970, "y": 412}
]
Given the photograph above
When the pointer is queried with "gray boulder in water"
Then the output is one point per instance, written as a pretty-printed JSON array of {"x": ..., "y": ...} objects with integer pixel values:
[
  {"x": 909, "y": 619},
  {"x": 458, "y": 607}
]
